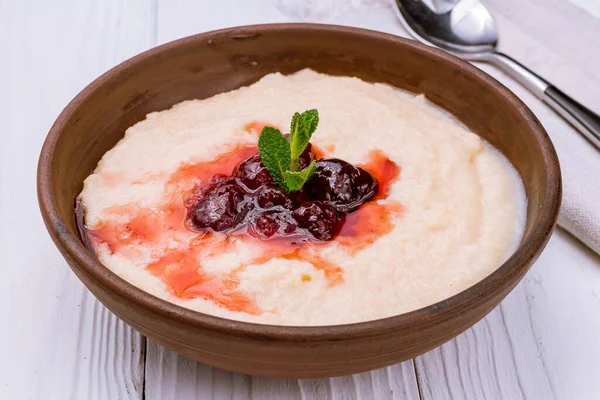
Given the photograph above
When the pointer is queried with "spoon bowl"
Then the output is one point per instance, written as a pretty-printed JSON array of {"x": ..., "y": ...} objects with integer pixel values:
[{"x": 464, "y": 27}]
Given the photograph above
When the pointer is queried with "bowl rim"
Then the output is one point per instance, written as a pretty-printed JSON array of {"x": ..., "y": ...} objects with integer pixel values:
[{"x": 71, "y": 246}]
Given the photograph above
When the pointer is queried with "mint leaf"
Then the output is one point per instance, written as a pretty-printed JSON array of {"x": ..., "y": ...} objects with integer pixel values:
[
  {"x": 280, "y": 157},
  {"x": 301, "y": 129},
  {"x": 274, "y": 150},
  {"x": 295, "y": 180}
]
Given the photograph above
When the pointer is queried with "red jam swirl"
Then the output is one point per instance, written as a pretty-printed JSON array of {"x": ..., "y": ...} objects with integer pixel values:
[{"x": 180, "y": 269}]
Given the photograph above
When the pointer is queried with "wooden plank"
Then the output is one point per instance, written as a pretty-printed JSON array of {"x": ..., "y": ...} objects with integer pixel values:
[
  {"x": 180, "y": 18},
  {"x": 57, "y": 341},
  {"x": 169, "y": 375},
  {"x": 541, "y": 343}
]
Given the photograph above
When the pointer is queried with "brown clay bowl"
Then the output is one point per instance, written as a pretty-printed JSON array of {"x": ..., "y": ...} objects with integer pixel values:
[{"x": 203, "y": 65}]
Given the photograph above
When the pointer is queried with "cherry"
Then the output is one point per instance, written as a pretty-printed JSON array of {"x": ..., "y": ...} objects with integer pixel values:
[
  {"x": 252, "y": 173},
  {"x": 318, "y": 218},
  {"x": 271, "y": 196},
  {"x": 250, "y": 198},
  {"x": 263, "y": 226},
  {"x": 341, "y": 184},
  {"x": 300, "y": 197},
  {"x": 222, "y": 207},
  {"x": 365, "y": 185},
  {"x": 268, "y": 223}
]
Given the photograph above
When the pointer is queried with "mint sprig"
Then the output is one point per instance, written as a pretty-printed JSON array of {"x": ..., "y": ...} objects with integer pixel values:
[{"x": 280, "y": 157}]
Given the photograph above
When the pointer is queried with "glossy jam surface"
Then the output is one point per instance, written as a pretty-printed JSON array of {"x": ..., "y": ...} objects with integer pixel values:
[{"x": 213, "y": 205}]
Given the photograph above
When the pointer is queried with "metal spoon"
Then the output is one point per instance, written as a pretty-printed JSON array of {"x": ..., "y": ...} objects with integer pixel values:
[{"x": 466, "y": 29}]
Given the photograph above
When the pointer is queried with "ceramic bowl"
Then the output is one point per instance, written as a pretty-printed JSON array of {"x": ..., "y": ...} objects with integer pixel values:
[{"x": 203, "y": 65}]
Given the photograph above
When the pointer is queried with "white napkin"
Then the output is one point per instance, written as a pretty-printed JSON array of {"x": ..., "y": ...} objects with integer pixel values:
[
  {"x": 580, "y": 212},
  {"x": 544, "y": 39}
]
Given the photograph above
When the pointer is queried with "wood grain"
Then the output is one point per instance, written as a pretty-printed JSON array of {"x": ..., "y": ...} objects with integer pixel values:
[
  {"x": 169, "y": 375},
  {"x": 60, "y": 341},
  {"x": 539, "y": 344}
]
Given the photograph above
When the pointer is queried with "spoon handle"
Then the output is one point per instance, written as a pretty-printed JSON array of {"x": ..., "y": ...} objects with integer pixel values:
[{"x": 583, "y": 119}]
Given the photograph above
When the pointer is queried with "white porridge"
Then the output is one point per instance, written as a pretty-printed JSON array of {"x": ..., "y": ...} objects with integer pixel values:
[{"x": 454, "y": 212}]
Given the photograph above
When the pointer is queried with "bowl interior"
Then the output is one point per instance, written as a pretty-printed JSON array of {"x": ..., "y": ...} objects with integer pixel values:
[{"x": 204, "y": 65}]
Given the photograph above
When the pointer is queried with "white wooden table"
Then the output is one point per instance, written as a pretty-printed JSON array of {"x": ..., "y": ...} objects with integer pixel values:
[{"x": 58, "y": 342}]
